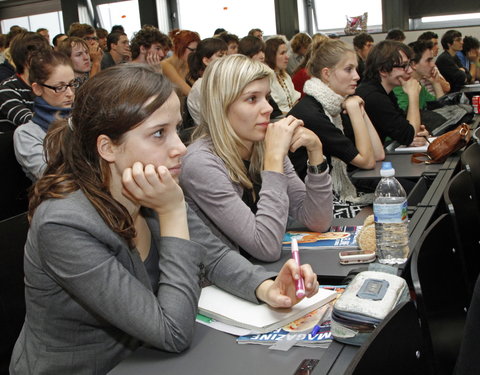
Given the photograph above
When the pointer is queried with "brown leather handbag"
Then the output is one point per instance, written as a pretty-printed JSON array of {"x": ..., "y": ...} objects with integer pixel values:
[{"x": 445, "y": 145}]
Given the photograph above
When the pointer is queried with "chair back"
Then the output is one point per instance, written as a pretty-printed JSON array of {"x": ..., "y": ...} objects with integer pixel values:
[
  {"x": 395, "y": 347},
  {"x": 13, "y": 189},
  {"x": 13, "y": 235},
  {"x": 471, "y": 161},
  {"x": 462, "y": 205},
  {"x": 441, "y": 292}
]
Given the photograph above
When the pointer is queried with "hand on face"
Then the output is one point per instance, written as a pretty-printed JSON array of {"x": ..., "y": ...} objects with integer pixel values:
[
  {"x": 411, "y": 86},
  {"x": 278, "y": 137},
  {"x": 153, "y": 187},
  {"x": 281, "y": 291},
  {"x": 95, "y": 52},
  {"x": 435, "y": 76}
]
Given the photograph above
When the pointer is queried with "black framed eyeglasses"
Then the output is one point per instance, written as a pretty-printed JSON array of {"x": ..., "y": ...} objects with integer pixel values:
[
  {"x": 404, "y": 66},
  {"x": 75, "y": 84},
  {"x": 191, "y": 49}
]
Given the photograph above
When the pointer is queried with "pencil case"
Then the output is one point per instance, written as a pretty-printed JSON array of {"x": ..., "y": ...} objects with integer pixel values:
[{"x": 366, "y": 301}]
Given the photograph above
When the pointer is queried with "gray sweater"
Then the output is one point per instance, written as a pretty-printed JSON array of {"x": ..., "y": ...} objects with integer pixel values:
[
  {"x": 218, "y": 201},
  {"x": 88, "y": 296},
  {"x": 28, "y": 142}
]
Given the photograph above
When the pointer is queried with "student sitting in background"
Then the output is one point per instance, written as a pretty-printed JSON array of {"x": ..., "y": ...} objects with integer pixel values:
[
  {"x": 469, "y": 56},
  {"x": 149, "y": 46},
  {"x": 423, "y": 67},
  {"x": 114, "y": 256},
  {"x": 118, "y": 50},
  {"x": 388, "y": 66},
  {"x": 236, "y": 174},
  {"x": 430, "y": 36},
  {"x": 299, "y": 46},
  {"x": 231, "y": 40},
  {"x": 283, "y": 91},
  {"x": 175, "y": 67},
  {"x": 16, "y": 97},
  {"x": 53, "y": 82},
  {"x": 448, "y": 62},
  {"x": 208, "y": 50},
  {"x": 329, "y": 92},
  {"x": 254, "y": 48},
  {"x": 78, "y": 52},
  {"x": 363, "y": 43},
  {"x": 300, "y": 76}
]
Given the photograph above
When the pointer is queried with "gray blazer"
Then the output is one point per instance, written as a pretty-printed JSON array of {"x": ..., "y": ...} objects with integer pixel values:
[{"x": 88, "y": 296}]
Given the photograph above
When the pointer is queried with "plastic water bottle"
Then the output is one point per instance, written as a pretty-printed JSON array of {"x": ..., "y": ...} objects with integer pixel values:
[{"x": 391, "y": 218}]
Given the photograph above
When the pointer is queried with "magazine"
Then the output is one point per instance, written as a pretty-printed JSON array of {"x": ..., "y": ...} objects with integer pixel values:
[
  {"x": 339, "y": 237},
  {"x": 298, "y": 332}
]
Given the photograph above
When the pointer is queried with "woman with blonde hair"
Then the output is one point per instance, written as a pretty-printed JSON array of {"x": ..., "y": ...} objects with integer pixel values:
[
  {"x": 283, "y": 91},
  {"x": 236, "y": 173},
  {"x": 329, "y": 93}
]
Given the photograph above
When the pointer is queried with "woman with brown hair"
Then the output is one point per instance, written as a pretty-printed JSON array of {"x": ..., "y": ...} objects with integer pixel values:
[
  {"x": 114, "y": 256},
  {"x": 176, "y": 67},
  {"x": 283, "y": 91}
]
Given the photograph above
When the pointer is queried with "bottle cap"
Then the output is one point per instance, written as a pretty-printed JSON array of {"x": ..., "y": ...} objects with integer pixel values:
[{"x": 387, "y": 169}]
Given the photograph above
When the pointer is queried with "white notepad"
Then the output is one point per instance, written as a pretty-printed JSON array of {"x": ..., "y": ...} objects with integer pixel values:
[{"x": 227, "y": 308}]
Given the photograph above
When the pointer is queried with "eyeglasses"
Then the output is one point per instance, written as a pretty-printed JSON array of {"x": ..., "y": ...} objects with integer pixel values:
[
  {"x": 88, "y": 38},
  {"x": 403, "y": 66},
  {"x": 191, "y": 49},
  {"x": 75, "y": 84}
]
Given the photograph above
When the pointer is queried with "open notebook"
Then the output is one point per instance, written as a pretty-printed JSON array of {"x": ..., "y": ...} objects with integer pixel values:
[{"x": 227, "y": 308}]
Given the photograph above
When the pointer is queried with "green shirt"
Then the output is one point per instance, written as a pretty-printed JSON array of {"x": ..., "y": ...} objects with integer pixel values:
[{"x": 402, "y": 97}]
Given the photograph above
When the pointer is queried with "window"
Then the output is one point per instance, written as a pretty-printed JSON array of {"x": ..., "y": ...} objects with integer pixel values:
[
  {"x": 123, "y": 13},
  {"x": 52, "y": 21},
  {"x": 236, "y": 16},
  {"x": 333, "y": 17},
  {"x": 453, "y": 20}
]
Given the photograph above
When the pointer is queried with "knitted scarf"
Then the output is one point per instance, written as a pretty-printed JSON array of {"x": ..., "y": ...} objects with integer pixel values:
[
  {"x": 332, "y": 105},
  {"x": 44, "y": 114}
]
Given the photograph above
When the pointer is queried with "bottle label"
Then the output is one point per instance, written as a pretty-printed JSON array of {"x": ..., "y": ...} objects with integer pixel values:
[{"x": 390, "y": 213}]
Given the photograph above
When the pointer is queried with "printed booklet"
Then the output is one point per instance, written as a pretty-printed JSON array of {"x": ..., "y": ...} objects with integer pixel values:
[{"x": 339, "y": 237}]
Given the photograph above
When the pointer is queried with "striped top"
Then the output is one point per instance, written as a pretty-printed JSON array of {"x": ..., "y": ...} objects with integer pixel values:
[{"x": 16, "y": 103}]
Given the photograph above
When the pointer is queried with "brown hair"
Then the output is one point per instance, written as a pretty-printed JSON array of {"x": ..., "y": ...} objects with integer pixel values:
[
  {"x": 250, "y": 46},
  {"x": 110, "y": 103},
  {"x": 271, "y": 48},
  {"x": 43, "y": 63},
  {"x": 383, "y": 57},
  {"x": 66, "y": 45},
  {"x": 23, "y": 46},
  {"x": 299, "y": 41}
]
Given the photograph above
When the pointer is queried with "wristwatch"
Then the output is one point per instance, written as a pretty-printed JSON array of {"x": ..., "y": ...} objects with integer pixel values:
[{"x": 317, "y": 169}]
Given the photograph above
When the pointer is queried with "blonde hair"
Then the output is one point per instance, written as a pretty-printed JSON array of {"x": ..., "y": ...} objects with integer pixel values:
[
  {"x": 223, "y": 82},
  {"x": 327, "y": 54}
]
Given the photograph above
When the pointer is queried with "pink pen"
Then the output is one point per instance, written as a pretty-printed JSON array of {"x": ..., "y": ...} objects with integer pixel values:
[{"x": 299, "y": 284}]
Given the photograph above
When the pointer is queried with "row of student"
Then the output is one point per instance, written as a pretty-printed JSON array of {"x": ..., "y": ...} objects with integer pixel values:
[{"x": 109, "y": 215}]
